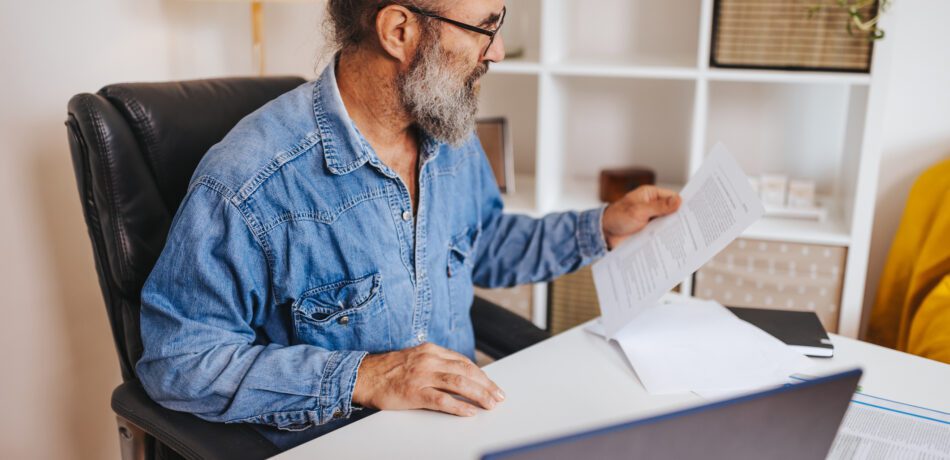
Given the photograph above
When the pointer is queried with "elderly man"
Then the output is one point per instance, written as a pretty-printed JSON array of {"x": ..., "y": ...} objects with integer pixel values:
[{"x": 323, "y": 259}]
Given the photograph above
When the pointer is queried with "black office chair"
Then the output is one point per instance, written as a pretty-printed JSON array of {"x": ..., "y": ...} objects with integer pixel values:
[{"x": 134, "y": 149}]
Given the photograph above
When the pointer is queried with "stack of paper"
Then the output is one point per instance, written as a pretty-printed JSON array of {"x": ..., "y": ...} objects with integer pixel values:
[
  {"x": 881, "y": 428},
  {"x": 688, "y": 345},
  {"x": 680, "y": 344}
]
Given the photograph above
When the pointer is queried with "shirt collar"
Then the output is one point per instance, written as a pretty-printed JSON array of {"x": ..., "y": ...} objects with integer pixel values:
[{"x": 344, "y": 148}]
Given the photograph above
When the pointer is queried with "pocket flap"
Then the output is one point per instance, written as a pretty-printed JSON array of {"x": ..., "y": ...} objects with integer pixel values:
[
  {"x": 460, "y": 249},
  {"x": 321, "y": 302}
]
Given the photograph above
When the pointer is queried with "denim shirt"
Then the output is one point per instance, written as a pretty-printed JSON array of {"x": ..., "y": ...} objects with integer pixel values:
[{"x": 296, "y": 252}]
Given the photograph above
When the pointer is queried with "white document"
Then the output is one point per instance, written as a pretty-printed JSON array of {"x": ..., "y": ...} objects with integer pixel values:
[
  {"x": 690, "y": 345},
  {"x": 718, "y": 204},
  {"x": 877, "y": 428}
]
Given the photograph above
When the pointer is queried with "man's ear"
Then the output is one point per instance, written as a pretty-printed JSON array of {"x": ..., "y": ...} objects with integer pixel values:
[{"x": 398, "y": 32}]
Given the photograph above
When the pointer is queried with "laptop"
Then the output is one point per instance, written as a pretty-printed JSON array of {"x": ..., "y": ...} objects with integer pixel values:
[{"x": 795, "y": 421}]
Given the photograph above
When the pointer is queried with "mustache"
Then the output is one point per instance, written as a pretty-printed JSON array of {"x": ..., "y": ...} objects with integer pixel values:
[{"x": 479, "y": 72}]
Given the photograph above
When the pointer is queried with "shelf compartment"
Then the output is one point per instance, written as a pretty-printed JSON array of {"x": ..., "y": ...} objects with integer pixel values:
[
  {"x": 522, "y": 30},
  {"x": 651, "y": 33},
  {"x": 522, "y": 200},
  {"x": 616, "y": 123},
  {"x": 799, "y": 130},
  {"x": 515, "y": 97}
]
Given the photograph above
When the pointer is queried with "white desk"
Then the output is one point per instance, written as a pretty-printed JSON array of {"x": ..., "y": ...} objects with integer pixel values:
[{"x": 576, "y": 381}]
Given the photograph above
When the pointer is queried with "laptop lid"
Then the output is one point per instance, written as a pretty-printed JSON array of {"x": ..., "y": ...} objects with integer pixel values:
[{"x": 797, "y": 421}]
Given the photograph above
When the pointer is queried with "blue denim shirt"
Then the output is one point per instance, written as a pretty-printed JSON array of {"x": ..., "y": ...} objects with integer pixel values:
[{"x": 296, "y": 252}]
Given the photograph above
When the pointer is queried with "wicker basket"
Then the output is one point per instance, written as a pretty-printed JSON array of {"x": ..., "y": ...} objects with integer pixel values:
[
  {"x": 779, "y": 34},
  {"x": 776, "y": 275},
  {"x": 572, "y": 300}
]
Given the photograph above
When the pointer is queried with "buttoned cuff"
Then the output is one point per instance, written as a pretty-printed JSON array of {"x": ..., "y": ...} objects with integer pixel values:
[
  {"x": 590, "y": 233},
  {"x": 338, "y": 383}
]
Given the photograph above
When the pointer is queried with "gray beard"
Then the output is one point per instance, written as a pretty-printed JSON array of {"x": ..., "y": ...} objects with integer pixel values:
[{"x": 431, "y": 92}]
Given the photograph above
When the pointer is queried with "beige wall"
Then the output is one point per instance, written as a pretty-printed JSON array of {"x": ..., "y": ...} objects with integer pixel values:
[
  {"x": 917, "y": 121},
  {"x": 58, "y": 363}
]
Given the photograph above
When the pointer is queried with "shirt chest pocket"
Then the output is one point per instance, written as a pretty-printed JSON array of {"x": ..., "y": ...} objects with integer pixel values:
[
  {"x": 461, "y": 259},
  {"x": 346, "y": 315}
]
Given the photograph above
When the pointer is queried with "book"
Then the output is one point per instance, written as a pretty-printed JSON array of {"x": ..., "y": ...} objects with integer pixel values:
[{"x": 800, "y": 330}]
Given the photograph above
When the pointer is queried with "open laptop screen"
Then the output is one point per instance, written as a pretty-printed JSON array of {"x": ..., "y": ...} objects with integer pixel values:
[{"x": 792, "y": 422}]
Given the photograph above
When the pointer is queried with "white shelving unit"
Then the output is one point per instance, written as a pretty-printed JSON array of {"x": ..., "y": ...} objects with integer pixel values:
[{"x": 628, "y": 83}]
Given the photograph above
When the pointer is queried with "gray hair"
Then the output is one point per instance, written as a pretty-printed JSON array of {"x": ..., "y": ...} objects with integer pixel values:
[{"x": 349, "y": 23}]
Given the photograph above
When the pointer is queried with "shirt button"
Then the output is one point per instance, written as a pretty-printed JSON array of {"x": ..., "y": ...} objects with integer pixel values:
[
  {"x": 421, "y": 337},
  {"x": 338, "y": 414},
  {"x": 344, "y": 320},
  {"x": 406, "y": 216}
]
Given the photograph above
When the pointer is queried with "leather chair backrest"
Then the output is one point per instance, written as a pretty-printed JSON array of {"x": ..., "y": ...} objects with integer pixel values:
[{"x": 134, "y": 149}]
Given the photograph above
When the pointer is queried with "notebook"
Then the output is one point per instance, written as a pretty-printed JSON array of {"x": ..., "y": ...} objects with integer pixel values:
[{"x": 800, "y": 330}]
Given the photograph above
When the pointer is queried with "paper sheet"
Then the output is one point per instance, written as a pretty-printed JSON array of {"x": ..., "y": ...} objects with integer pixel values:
[
  {"x": 680, "y": 344},
  {"x": 879, "y": 428},
  {"x": 718, "y": 204},
  {"x": 689, "y": 345}
]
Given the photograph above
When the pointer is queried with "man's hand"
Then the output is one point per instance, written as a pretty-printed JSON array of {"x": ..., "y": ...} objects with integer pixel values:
[
  {"x": 632, "y": 212},
  {"x": 424, "y": 377}
]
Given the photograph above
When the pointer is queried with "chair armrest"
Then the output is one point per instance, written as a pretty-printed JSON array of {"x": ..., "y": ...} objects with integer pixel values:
[
  {"x": 500, "y": 332},
  {"x": 188, "y": 435}
]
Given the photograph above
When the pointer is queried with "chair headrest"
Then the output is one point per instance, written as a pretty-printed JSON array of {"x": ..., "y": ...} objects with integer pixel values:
[{"x": 175, "y": 123}]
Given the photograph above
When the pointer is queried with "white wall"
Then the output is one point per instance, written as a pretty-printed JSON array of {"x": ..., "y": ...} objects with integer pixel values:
[
  {"x": 58, "y": 361},
  {"x": 917, "y": 120}
]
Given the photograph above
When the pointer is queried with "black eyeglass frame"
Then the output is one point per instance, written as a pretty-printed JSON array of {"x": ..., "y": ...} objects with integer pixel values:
[{"x": 490, "y": 33}]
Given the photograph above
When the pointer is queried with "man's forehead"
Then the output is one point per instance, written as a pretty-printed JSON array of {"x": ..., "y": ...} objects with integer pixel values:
[{"x": 475, "y": 11}]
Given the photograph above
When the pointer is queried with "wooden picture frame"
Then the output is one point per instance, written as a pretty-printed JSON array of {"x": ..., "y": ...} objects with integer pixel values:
[{"x": 496, "y": 141}]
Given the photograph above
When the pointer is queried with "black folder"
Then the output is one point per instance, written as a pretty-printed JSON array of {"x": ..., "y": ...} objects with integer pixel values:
[{"x": 800, "y": 330}]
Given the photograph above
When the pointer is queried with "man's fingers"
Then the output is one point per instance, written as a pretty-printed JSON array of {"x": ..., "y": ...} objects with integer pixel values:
[
  {"x": 458, "y": 363},
  {"x": 662, "y": 202},
  {"x": 466, "y": 388},
  {"x": 470, "y": 370},
  {"x": 426, "y": 376},
  {"x": 671, "y": 202},
  {"x": 443, "y": 402}
]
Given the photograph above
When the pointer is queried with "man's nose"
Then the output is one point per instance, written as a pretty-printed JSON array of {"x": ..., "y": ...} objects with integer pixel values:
[{"x": 496, "y": 52}]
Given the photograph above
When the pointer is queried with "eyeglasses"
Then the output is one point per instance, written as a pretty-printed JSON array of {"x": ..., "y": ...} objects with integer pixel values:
[{"x": 490, "y": 33}]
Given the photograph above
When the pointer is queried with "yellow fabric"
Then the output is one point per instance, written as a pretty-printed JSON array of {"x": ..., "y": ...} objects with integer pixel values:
[
  {"x": 912, "y": 308},
  {"x": 930, "y": 330}
]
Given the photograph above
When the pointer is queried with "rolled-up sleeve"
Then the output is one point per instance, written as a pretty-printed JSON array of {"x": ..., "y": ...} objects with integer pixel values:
[
  {"x": 516, "y": 249},
  {"x": 199, "y": 308}
]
